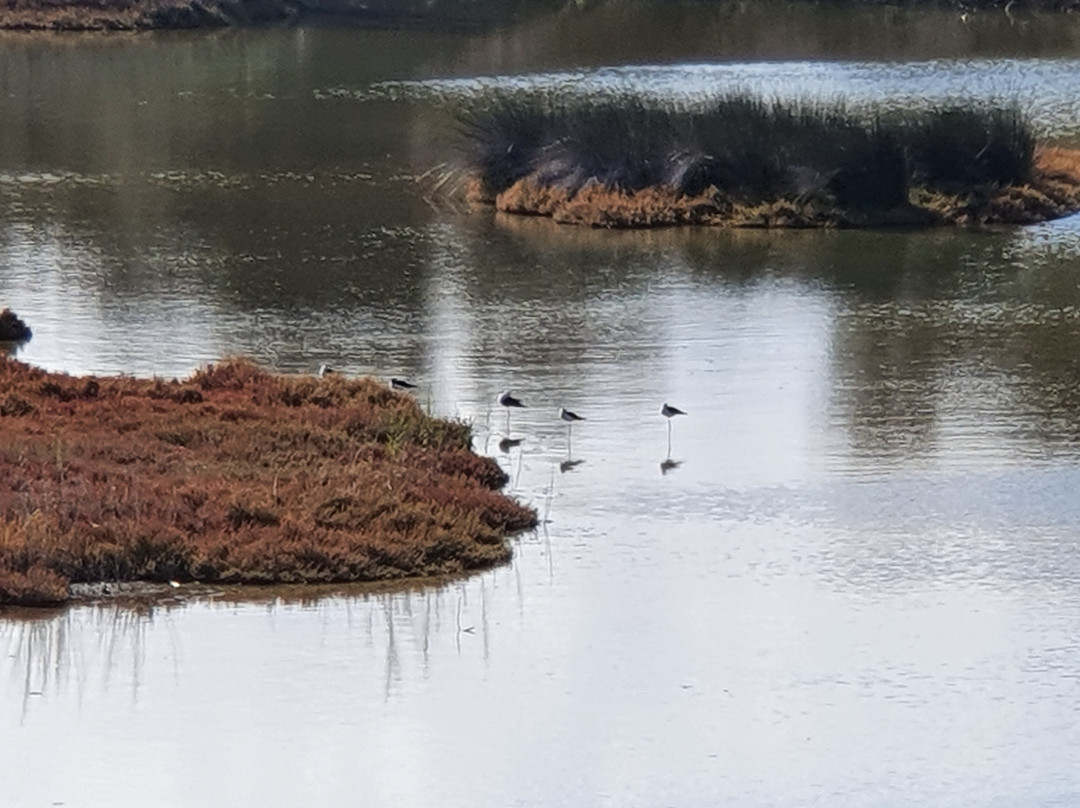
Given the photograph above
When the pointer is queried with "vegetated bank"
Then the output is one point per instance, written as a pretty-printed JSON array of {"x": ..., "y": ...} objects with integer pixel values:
[
  {"x": 137, "y": 15},
  {"x": 235, "y": 476},
  {"x": 81, "y": 15},
  {"x": 743, "y": 161}
]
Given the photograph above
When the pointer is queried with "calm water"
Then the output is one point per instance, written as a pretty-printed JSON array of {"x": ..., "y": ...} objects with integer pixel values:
[{"x": 854, "y": 581}]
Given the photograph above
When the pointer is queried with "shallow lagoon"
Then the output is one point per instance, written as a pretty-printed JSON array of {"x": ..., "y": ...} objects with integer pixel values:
[{"x": 858, "y": 585}]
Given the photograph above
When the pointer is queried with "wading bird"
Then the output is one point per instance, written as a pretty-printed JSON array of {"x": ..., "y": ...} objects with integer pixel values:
[
  {"x": 324, "y": 369},
  {"x": 569, "y": 417},
  {"x": 508, "y": 401},
  {"x": 670, "y": 412}
]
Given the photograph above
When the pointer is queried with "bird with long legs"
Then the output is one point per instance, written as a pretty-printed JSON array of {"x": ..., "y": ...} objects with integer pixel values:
[
  {"x": 507, "y": 400},
  {"x": 669, "y": 412},
  {"x": 569, "y": 417}
]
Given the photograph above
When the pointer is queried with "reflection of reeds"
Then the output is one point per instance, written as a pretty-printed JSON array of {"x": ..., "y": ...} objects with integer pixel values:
[
  {"x": 235, "y": 476},
  {"x": 43, "y": 651},
  {"x": 742, "y": 148}
]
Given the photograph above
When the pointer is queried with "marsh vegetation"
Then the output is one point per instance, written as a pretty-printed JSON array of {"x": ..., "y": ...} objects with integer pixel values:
[
  {"x": 235, "y": 476},
  {"x": 12, "y": 327},
  {"x": 624, "y": 161}
]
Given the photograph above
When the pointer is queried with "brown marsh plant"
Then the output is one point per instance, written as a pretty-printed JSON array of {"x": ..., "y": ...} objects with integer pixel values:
[{"x": 235, "y": 476}]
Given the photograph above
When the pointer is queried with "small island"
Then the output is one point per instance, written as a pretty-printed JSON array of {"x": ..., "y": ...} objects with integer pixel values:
[
  {"x": 743, "y": 161},
  {"x": 235, "y": 476}
]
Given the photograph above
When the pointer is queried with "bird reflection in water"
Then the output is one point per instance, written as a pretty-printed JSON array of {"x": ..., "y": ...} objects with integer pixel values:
[
  {"x": 569, "y": 465},
  {"x": 669, "y": 465},
  {"x": 506, "y": 444}
]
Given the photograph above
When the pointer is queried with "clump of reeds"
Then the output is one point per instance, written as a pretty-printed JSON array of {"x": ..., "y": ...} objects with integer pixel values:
[
  {"x": 741, "y": 148},
  {"x": 12, "y": 328},
  {"x": 235, "y": 476},
  {"x": 968, "y": 147}
]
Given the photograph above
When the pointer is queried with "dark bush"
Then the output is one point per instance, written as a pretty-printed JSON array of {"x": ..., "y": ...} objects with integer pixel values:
[
  {"x": 502, "y": 134},
  {"x": 745, "y": 147},
  {"x": 963, "y": 146}
]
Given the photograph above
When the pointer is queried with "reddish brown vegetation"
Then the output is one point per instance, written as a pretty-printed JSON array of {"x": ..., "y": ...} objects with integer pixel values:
[
  {"x": 235, "y": 476},
  {"x": 1053, "y": 192}
]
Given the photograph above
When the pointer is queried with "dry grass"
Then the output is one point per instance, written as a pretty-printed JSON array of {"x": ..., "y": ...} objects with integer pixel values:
[
  {"x": 136, "y": 15},
  {"x": 235, "y": 476},
  {"x": 1053, "y": 191},
  {"x": 1058, "y": 163},
  {"x": 105, "y": 16}
]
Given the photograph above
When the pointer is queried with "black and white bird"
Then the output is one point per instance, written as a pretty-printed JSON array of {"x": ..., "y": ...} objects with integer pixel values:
[
  {"x": 401, "y": 384},
  {"x": 569, "y": 417},
  {"x": 325, "y": 369},
  {"x": 508, "y": 401},
  {"x": 669, "y": 412}
]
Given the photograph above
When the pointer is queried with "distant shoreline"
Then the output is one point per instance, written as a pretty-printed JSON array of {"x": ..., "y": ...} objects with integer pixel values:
[
  {"x": 147, "y": 15},
  {"x": 157, "y": 15}
]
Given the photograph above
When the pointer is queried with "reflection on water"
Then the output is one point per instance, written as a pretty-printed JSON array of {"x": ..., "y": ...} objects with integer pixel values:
[
  {"x": 856, "y": 556},
  {"x": 46, "y": 655},
  {"x": 107, "y": 646}
]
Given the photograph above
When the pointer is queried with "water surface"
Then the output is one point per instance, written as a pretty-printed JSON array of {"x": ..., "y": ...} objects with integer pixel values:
[{"x": 852, "y": 580}]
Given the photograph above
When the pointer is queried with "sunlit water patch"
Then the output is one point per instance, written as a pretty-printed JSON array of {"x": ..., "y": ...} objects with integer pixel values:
[{"x": 1045, "y": 87}]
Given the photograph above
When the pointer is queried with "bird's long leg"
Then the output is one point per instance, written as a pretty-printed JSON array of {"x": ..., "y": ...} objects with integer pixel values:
[{"x": 669, "y": 439}]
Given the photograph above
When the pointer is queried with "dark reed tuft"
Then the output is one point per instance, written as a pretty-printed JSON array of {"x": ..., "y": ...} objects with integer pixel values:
[
  {"x": 963, "y": 146},
  {"x": 502, "y": 134},
  {"x": 12, "y": 328},
  {"x": 745, "y": 147}
]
